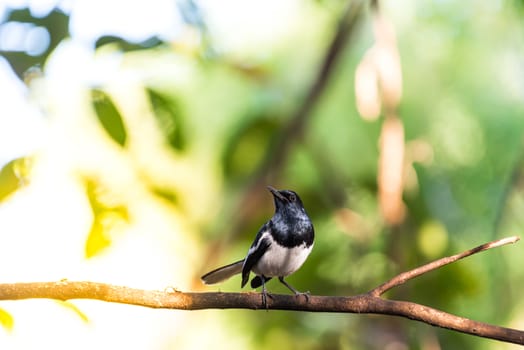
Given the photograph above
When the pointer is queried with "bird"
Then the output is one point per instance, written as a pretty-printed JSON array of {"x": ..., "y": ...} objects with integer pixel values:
[{"x": 280, "y": 247}]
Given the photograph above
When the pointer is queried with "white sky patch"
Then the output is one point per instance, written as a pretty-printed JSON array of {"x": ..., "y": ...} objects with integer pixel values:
[
  {"x": 132, "y": 20},
  {"x": 241, "y": 24},
  {"x": 41, "y": 8},
  {"x": 74, "y": 63}
]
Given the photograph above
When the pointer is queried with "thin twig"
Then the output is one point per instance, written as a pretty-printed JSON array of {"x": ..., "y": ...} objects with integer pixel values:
[{"x": 406, "y": 276}]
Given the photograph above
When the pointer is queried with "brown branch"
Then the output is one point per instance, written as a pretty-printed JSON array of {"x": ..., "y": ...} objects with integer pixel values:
[
  {"x": 369, "y": 303},
  {"x": 406, "y": 276}
]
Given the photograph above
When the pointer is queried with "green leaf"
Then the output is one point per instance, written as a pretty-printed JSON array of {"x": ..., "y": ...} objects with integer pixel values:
[
  {"x": 14, "y": 175},
  {"x": 106, "y": 216},
  {"x": 56, "y": 24},
  {"x": 70, "y": 306},
  {"x": 109, "y": 116},
  {"x": 169, "y": 118},
  {"x": 6, "y": 320},
  {"x": 98, "y": 239},
  {"x": 166, "y": 193}
]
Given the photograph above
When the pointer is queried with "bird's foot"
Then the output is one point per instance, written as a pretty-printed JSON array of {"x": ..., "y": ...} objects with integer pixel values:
[
  {"x": 265, "y": 295},
  {"x": 305, "y": 294}
]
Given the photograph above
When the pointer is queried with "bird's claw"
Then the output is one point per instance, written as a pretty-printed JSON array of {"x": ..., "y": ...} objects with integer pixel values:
[
  {"x": 305, "y": 294},
  {"x": 265, "y": 295}
]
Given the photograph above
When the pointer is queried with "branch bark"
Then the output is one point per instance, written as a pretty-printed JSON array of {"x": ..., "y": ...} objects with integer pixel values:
[{"x": 368, "y": 303}]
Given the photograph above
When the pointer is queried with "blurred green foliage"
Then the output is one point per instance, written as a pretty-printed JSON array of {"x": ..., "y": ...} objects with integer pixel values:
[
  {"x": 6, "y": 320},
  {"x": 56, "y": 23},
  {"x": 107, "y": 215},
  {"x": 109, "y": 117},
  {"x": 14, "y": 175},
  {"x": 170, "y": 119},
  {"x": 463, "y": 93}
]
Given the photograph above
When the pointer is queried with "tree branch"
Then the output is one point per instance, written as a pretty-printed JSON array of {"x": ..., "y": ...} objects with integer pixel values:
[
  {"x": 406, "y": 276},
  {"x": 369, "y": 303}
]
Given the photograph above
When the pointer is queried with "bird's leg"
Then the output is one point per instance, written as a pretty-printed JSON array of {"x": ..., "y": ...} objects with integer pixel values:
[
  {"x": 265, "y": 294},
  {"x": 291, "y": 288}
]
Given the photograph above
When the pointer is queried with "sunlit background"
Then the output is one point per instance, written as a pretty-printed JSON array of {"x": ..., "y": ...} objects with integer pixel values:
[{"x": 136, "y": 138}]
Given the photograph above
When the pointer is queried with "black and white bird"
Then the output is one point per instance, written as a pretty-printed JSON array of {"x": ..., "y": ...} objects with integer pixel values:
[{"x": 280, "y": 248}]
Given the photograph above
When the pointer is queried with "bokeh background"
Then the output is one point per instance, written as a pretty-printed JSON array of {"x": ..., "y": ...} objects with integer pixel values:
[{"x": 137, "y": 137}]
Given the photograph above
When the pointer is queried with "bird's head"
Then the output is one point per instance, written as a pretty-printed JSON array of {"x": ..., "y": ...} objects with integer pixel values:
[{"x": 286, "y": 200}]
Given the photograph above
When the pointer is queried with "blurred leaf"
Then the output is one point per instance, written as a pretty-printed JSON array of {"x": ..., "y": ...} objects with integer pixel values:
[
  {"x": 56, "y": 23},
  {"x": 106, "y": 216},
  {"x": 13, "y": 176},
  {"x": 109, "y": 116},
  {"x": 97, "y": 240},
  {"x": 432, "y": 239},
  {"x": 125, "y": 45},
  {"x": 169, "y": 118},
  {"x": 6, "y": 320},
  {"x": 166, "y": 193},
  {"x": 445, "y": 286},
  {"x": 69, "y": 305},
  {"x": 249, "y": 146}
]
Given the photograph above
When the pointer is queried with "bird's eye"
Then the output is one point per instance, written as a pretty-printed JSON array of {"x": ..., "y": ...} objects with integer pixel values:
[{"x": 292, "y": 197}]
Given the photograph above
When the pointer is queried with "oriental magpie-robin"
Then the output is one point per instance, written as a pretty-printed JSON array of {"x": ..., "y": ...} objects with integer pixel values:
[{"x": 280, "y": 248}]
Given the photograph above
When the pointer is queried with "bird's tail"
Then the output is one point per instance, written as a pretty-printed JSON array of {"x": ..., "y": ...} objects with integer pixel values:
[{"x": 223, "y": 273}]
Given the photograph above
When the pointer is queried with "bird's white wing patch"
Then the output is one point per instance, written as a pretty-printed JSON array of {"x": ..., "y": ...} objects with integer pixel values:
[{"x": 257, "y": 245}]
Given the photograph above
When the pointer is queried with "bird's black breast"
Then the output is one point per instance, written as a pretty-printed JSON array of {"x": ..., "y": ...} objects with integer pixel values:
[{"x": 292, "y": 232}]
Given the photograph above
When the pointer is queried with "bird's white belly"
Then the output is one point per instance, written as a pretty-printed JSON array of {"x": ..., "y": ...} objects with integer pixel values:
[{"x": 280, "y": 262}]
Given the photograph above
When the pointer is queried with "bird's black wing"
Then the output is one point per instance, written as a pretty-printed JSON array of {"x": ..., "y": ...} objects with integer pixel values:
[{"x": 257, "y": 250}]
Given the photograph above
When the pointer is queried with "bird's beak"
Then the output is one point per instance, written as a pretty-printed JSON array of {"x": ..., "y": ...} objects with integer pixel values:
[{"x": 276, "y": 193}]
